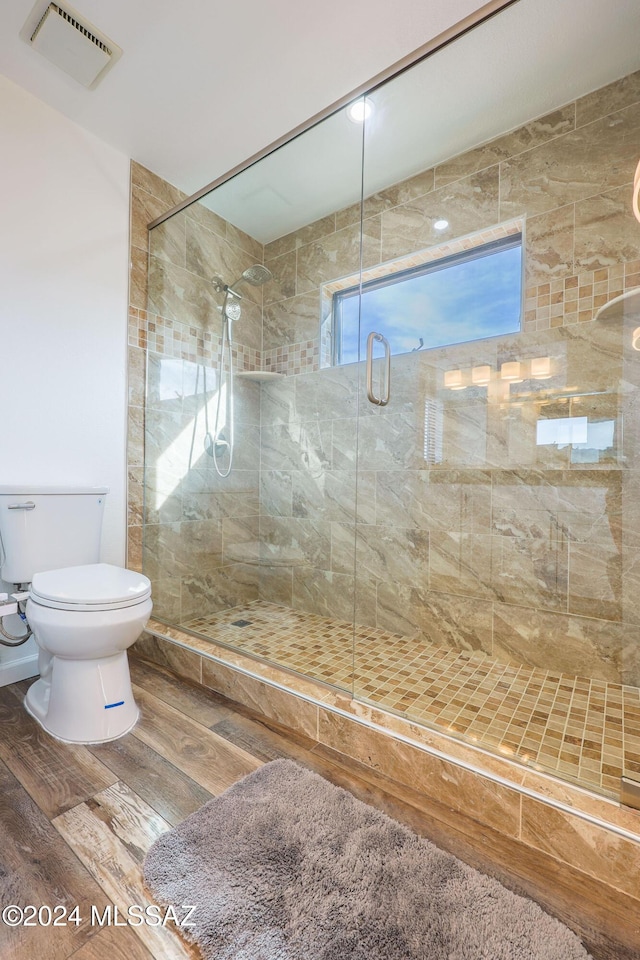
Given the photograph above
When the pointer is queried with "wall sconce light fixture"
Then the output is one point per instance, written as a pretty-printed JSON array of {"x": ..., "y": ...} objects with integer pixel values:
[
  {"x": 636, "y": 193},
  {"x": 480, "y": 376},
  {"x": 453, "y": 380},
  {"x": 541, "y": 368},
  {"x": 635, "y": 339},
  {"x": 511, "y": 371}
]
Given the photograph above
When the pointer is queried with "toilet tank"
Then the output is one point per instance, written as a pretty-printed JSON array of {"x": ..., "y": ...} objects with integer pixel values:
[{"x": 45, "y": 528}]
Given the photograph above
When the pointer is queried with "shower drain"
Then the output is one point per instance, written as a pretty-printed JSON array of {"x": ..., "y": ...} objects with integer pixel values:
[{"x": 241, "y": 623}]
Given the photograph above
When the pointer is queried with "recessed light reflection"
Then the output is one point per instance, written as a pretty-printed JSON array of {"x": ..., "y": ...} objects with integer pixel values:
[
  {"x": 360, "y": 110},
  {"x": 441, "y": 224}
]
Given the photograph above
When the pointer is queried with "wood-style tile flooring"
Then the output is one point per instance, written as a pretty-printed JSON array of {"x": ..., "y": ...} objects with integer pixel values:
[{"x": 75, "y": 823}]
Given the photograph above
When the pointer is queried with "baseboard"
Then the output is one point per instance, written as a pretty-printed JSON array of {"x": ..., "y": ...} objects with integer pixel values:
[{"x": 21, "y": 669}]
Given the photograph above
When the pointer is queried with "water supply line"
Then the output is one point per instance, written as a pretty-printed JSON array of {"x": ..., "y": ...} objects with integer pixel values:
[{"x": 10, "y": 607}]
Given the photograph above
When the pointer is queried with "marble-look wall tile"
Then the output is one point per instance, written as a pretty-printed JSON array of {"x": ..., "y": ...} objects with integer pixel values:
[
  {"x": 615, "y": 96},
  {"x": 530, "y": 571},
  {"x": 304, "y": 540},
  {"x": 275, "y": 584},
  {"x": 151, "y": 183},
  {"x": 338, "y": 255},
  {"x": 208, "y": 255},
  {"x": 135, "y": 436},
  {"x": 144, "y": 209},
  {"x": 229, "y": 586},
  {"x": 278, "y": 401},
  {"x": 184, "y": 663},
  {"x": 606, "y": 232},
  {"x": 307, "y": 234},
  {"x": 237, "y": 531},
  {"x": 557, "y": 505},
  {"x": 249, "y": 244},
  {"x": 549, "y": 245},
  {"x": 138, "y": 285},
  {"x": 246, "y": 452},
  {"x": 435, "y": 500},
  {"x": 297, "y": 446},
  {"x": 167, "y": 240},
  {"x": 290, "y": 321},
  {"x": 163, "y": 500},
  {"x": 465, "y": 433},
  {"x": 329, "y": 594},
  {"x": 469, "y": 205},
  {"x": 180, "y": 548},
  {"x": 384, "y": 553},
  {"x": 163, "y": 451},
  {"x": 403, "y": 192},
  {"x": 180, "y": 295},
  {"x": 206, "y": 218},
  {"x": 329, "y": 394},
  {"x": 136, "y": 376},
  {"x": 460, "y": 563},
  {"x": 166, "y": 597},
  {"x": 134, "y": 548},
  {"x": 557, "y": 642},
  {"x": 458, "y": 623},
  {"x": 595, "y": 580},
  {"x": 387, "y": 442},
  {"x": 375, "y": 203},
  {"x": 283, "y": 285},
  {"x": 582, "y": 163},
  {"x": 597, "y": 852},
  {"x": 530, "y": 135},
  {"x": 329, "y": 495},
  {"x": 160, "y": 545},
  {"x": 276, "y": 493},
  {"x": 482, "y": 800},
  {"x": 262, "y": 697},
  {"x": 135, "y": 495}
]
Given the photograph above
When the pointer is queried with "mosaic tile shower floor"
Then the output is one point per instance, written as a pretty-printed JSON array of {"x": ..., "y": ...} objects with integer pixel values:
[{"x": 586, "y": 731}]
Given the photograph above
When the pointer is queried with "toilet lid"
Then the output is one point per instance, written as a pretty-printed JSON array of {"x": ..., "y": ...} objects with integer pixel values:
[{"x": 92, "y": 586}]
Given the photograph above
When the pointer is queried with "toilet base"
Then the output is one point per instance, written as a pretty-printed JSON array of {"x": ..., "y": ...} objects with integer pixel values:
[{"x": 84, "y": 701}]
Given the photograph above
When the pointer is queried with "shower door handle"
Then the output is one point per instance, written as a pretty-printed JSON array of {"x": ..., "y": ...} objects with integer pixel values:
[{"x": 382, "y": 400}]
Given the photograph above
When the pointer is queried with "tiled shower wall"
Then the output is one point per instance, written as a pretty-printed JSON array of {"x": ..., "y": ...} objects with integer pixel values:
[
  {"x": 530, "y": 553},
  {"x": 190, "y": 516}
]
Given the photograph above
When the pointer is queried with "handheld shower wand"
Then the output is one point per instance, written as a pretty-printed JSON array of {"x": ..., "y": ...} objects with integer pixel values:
[{"x": 231, "y": 310}]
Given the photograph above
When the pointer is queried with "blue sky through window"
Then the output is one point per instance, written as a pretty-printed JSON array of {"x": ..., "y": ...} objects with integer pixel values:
[{"x": 468, "y": 300}]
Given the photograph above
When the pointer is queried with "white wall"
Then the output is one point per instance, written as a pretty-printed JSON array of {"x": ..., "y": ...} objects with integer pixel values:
[{"x": 64, "y": 223}]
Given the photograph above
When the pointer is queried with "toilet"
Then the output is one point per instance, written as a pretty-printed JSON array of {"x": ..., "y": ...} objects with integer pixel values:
[{"x": 84, "y": 614}]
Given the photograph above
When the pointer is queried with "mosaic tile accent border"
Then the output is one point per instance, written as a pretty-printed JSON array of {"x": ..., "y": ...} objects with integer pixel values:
[
  {"x": 577, "y": 298},
  {"x": 577, "y": 728},
  {"x": 293, "y": 358},
  {"x": 171, "y": 338}
]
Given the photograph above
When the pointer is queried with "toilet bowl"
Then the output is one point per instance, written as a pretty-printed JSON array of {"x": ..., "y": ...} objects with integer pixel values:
[{"x": 84, "y": 619}]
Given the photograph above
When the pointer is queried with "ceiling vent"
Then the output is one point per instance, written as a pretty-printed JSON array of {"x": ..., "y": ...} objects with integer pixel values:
[{"x": 70, "y": 42}]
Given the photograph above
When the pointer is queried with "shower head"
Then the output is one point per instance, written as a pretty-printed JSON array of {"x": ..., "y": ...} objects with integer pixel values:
[{"x": 256, "y": 275}]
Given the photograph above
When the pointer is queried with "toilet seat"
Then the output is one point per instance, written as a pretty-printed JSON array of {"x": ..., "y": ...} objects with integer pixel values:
[{"x": 92, "y": 587}]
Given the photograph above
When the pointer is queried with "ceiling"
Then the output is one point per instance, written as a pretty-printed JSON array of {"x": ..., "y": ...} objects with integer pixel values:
[
  {"x": 528, "y": 60},
  {"x": 202, "y": 85}
]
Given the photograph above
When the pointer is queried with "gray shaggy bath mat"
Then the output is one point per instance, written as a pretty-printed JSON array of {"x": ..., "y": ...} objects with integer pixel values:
[{"x": 285, "y": 866}]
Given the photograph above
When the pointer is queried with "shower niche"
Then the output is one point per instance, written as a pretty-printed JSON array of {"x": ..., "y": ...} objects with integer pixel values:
[{"x": 464, "y": 555}]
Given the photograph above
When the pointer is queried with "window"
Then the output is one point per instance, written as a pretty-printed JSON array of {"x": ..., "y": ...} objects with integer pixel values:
[{"x": 470, "y": 295}]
